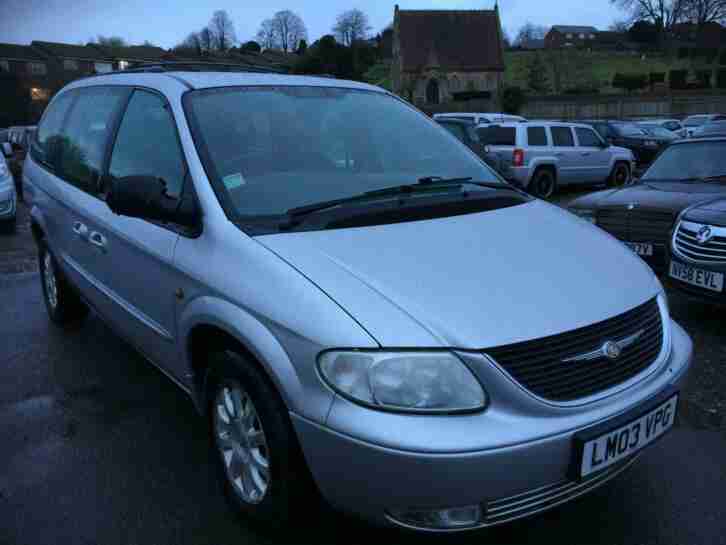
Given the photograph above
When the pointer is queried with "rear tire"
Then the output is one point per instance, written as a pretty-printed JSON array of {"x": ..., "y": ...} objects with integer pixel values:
[
  {"x": 543, "y": 184},
  {"x": 63, "y": 303},
  {"x": 620, "y": 175},
  {"x": 257, "y": 457}
]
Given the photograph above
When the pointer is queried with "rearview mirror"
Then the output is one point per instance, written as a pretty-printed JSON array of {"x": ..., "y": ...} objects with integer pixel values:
[
  {"x": 7, "y": 149},
  {"x": 145, "y": 197}
]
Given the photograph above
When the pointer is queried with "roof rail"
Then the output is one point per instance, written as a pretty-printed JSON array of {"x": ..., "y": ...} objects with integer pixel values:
[{"x": 195, "y": 66}]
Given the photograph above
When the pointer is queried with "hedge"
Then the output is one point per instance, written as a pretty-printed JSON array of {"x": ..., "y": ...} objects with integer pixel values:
[
  {"x": 704, "y": 79},
  {"x": 721, "y": 78},
  {"x": 678, "y": 79},
  {"x": 684, "y": 52},
  {"x": 630, "y": 82},
  {"x": 657, "y": 77}
]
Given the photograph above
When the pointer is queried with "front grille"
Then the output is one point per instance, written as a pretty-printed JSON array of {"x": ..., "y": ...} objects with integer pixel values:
[
  {"x": 538, "y": 364},
  {"x": 546, "y": 497},
  {"x": 638, "y": 225},
  {"x": 686, "y": 243}
]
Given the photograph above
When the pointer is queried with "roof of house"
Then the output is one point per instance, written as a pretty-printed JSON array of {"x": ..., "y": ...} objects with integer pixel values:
[
  {"x": 19, "y": 52},
  {"x": 133, "y": 52},
  {"x": 456, "y": 40},
  {"x": 71, "y": 51},
  {"x": 575, "y": 29}
]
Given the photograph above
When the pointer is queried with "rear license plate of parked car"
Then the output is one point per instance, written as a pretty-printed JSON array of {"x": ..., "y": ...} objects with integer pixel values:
[
  {"x": 641, "y": 248},
  {"x": 697, "y": 277},
  {"x": 616, "y": 445}
]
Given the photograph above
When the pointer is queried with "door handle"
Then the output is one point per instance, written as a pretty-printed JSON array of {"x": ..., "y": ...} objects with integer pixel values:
[
  {"x": 98, "y": 240},
  {"x": 80, "y": 229}
]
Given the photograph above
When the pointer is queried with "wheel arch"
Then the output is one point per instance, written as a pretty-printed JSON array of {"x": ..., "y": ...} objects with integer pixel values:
[
  {"x": 37, "y": 224},
  {"x": 544, "y": 162}
]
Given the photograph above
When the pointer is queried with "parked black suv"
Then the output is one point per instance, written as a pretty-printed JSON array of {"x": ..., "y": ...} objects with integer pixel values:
[{"x": 624, "y": 134}]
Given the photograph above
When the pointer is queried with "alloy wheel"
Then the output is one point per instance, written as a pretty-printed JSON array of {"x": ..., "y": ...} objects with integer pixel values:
[{"x": 241, "y": 442}]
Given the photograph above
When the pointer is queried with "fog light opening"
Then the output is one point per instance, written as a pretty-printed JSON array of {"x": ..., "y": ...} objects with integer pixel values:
[{"x": 452, "y": 518}]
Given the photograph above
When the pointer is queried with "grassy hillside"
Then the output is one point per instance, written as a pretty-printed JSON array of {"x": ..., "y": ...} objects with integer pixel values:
[{"x": 598, "y": 66}]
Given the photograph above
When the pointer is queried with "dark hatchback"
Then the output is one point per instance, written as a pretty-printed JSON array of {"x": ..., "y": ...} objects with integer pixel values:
[
  {"x": 466, "y": 132},
  {"x": 623, "y": 134},
  {"x": 697, "y": 264},
  {"x": 642, "y": 214}
]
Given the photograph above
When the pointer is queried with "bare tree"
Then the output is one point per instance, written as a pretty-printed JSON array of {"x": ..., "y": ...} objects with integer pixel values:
[
  {"x": 266, "y": 35},
  {"x": 222, "y": 27},
  {"x": 705, "y": 11},
  {"x": 288, "y": 29},
  {"x": 351, "y": 26},
  {"x": 530, "y": 32},
  {"x": 110, "y": 41},
  {"x": 192, "y": 43},
  {"x": 662, "y": 13},
  {"x": 207, "y": 39}
]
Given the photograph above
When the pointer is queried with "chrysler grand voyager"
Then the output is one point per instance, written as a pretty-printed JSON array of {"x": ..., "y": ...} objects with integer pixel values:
[{"x": 355, "y": 301}]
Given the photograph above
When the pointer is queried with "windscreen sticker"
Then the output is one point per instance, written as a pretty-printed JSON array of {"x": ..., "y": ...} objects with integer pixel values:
[{"x": 233, "y": 181}]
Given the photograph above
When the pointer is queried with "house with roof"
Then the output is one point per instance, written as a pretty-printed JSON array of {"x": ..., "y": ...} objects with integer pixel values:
[
  {"x": 440, "y": 56},
  {"x": 24, "y": 73},
  {"x": 73, "y": 61},
  {"x": 560, "y": 36},
  {"x": 129, "y": 56}
]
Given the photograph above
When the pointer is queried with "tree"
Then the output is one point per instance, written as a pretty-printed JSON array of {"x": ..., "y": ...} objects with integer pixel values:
[
  {"x": 530, "y": 32},
  {"x": 506, "y": 40},
  {"x": 619, "y": 26},
  {"x": 266, "y": 34},
  {"x": 207, "y": 40},
  {"x": 705, "y": 11},
  {"x": 302, "y": 47},
  {"x": 251, "y": 46},
  {"x": 192, "y": 43},
  {"x": 643, "y": 32},
  {"x": 222, "y": 27},
  {"x": 351, "y": 26},
  {"x": 288, "y": 29},
  {"x": 110, "y": 41},
  {"x": 512, "y": 99},
  {"x": 537, "y": 79},
  {"x": 662, "y": 13}
]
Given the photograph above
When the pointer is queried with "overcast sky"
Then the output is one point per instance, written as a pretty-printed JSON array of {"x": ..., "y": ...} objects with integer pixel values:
[{"x": 166, "y": 23}]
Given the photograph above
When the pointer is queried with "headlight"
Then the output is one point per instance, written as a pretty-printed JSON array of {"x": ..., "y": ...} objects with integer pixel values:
[
  {"x": 403, "y": 381},
  {"x": 584, "y": 213}
]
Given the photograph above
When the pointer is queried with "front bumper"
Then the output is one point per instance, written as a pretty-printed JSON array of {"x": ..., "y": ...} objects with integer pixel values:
[
  {"x": 695, "y": 292},
  {"x": 362, "y": 472}
]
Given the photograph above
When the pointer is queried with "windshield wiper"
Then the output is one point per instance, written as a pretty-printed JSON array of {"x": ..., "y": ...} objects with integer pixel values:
[{"x": 423, "y": 185}]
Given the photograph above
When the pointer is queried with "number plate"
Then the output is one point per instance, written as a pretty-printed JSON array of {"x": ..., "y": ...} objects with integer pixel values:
[
  {"x": 641, "y": 248},
  {"x": 616, "y": 445},
  {"x": 709, "y": 280}
]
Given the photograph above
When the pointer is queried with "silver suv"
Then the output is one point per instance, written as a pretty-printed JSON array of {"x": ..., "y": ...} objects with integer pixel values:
[
  {"x": 548, "y": 155},
  {"x": 353, "y": 299}
]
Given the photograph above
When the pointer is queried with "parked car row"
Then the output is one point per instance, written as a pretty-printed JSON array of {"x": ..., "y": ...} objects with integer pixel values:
[
  {"x": 8, "y": 197},
  {"x": 358, "y": 304}
]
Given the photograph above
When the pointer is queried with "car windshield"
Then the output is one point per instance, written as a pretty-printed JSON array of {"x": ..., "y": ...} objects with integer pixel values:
[
  {"x": 696, "y": 121},
  {"x": 692, "y": 162},
  {"x": 271, "y": 149},
  {"x": 630, "y": 129}
]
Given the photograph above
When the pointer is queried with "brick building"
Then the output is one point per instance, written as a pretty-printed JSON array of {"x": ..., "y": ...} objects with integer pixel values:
[
  {"x": 570, "y": 36},
  {"x": 442, "y": 56}
]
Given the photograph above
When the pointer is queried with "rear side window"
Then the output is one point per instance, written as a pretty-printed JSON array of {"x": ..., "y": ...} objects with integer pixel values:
[
  {"x": 562, "y": 137},
  {"x": 672, "y": 126},
  {"x": 496, "y": 135},
  {"x": 536, "y": 136},
  {"x": 50, "y": 128},
  {"x": 587, "y": 138},
  {"x": 455, "y": 129},
  {"x": 83, "y": 141},
  {"x": 147, "y": 143}
]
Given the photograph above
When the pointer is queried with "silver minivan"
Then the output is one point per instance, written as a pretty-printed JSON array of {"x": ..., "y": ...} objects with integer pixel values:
[
  {"x": 546, "y": 155},
  {"x": 357, "y": 304}
]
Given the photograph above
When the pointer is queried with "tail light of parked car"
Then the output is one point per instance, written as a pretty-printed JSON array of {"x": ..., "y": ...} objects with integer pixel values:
[{"x": 518, "y": 158}]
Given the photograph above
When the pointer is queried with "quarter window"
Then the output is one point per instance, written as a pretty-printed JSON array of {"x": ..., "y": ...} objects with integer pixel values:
[
  {"x": 496, "y": 135},
  {"x": 48, "y": 135},
  {"x": 147, "y": 143},
  {"x": 456, "y": 130},
  {"x": 83, "y": 140},
  {"x": 587, "y": 138},
  {"x": 536, "y": 136},
  {"x": 562, "y": 137}
]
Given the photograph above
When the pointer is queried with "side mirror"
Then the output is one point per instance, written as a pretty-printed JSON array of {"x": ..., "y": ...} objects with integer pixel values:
[
  {"x": 487, "y": 149},
  {"x": 145, "y": 197},
  {"x": 7, "y": 149}
]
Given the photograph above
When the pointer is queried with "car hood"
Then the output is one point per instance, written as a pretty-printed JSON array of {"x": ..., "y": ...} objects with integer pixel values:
[
  {"x": 472, "y": 281},
  {"x": 666, "y": 196}
]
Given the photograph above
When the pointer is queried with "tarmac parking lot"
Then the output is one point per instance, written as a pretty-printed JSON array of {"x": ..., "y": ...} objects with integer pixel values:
[{"x": 99, "y": 447}]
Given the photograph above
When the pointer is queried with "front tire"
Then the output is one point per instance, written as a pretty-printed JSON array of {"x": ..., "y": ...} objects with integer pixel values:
[
  {"x": 253, "y": 444},
  {"x": 620, "y": 175},
  {"x": 62, "y": 302},
  {"x": 543, "y": 183}
]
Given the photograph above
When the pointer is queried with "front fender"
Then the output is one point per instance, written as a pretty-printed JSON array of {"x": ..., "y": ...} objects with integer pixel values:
[
  {"x": 298, "y": 386},
  {"x": 37, "y": 218}
]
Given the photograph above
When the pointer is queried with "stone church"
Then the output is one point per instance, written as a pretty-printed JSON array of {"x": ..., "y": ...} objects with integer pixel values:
[{"x": 441, "y": 56}]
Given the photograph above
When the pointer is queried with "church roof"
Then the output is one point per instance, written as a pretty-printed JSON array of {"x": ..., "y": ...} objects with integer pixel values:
[{"x": 452, "y": 40}]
